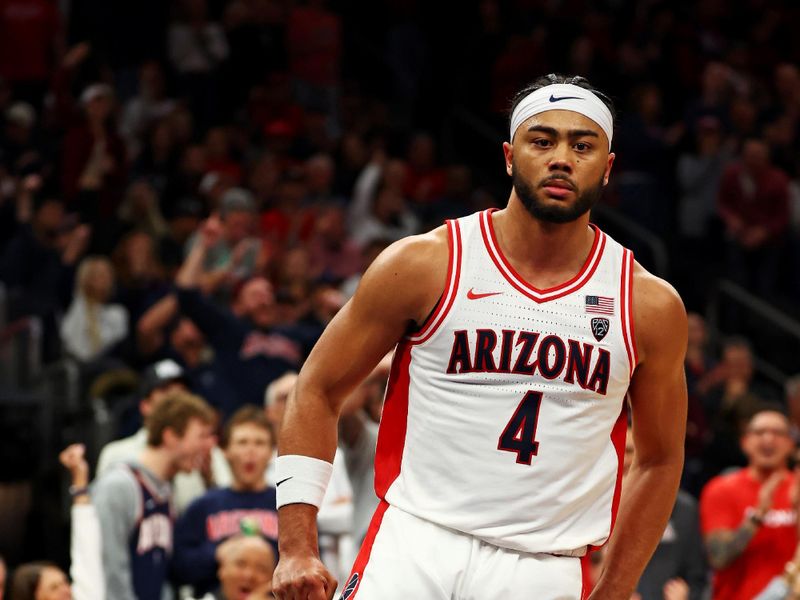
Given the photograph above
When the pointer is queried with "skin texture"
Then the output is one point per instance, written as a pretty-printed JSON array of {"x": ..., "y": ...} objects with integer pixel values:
[{"x": 403, "y": 285}]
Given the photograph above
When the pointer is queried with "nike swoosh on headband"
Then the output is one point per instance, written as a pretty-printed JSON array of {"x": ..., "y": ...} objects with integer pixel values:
[
  {"x": 554, "y": 99},
  {"x": 283, "y": 481}
]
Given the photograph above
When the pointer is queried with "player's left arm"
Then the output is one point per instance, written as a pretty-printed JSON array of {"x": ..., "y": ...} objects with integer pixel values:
[{"x": 658, "y": 404}]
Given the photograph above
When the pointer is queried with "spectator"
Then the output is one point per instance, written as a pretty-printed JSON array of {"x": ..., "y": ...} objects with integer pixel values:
[
  {"x": 314, "y": 44},
  {"x": 332, "y": 252},
  {"x": 246, "y": 564},
  {"x": 678, "y": 564},
  {"x": 148, "y": 106},
  {"x": 86, "y": 566},
  {"x": 335, "y": 516},
  {"x": 275, "y": 397},
  {"x": 731, "y": 401},
  {"x": 30, "y": 39},
  {"x": 133, "y": 500},
  {"x": 39, "y": 262},
  {"x": 92, "y": 325},
  {"x": 251, "y": 347},
  {"x": 379, "y": 209},
  {"x": 140, "y": 210},
  {"x": 792, "y": 391},
  {"x": 753, "y": 202},
  {"x": 222, "y": 513},
  {"x": 161, "y": 380},
  {"x": 40, "y": 581},
  {"x": 197, "y": 47},
  {"x": 358, "y": 436},
  {"x": 94, "y": 162},
  {"x": 232, "y": 257},
  {"x": 748, "y": 517},
  {"x": 698, "y": 176}
]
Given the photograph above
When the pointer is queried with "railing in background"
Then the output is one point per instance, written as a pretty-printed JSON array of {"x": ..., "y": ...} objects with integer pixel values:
[
  {"x": 637, "y": 236},
  {"x": 727, "y": 303}
]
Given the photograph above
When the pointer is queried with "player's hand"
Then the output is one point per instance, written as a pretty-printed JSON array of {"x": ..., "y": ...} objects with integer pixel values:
[
  {"x": 302, "y": 578},
  {"x": 766, "y": 495},
  {"x": 676, "y": 589}
]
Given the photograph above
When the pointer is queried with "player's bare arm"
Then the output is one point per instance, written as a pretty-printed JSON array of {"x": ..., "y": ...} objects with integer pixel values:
[
  {"x": 658, "y": 403},
  {"x": 399, "y": 289}
]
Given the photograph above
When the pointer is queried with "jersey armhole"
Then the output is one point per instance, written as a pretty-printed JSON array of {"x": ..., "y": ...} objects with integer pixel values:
[
  {"x": 626, "y": 309},
  {"x": 432, "y": 322}
]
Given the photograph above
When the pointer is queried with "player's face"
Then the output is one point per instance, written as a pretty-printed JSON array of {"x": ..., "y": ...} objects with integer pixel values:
[
  {"x": 767, "y": 442},
  {"x": 247, "y": 569},
  {"x": 53, "y": 585},
  {"x": 194, "y": 448},
  {"x": 248, "y": 452},
  {"x": 559, "y": 164}
]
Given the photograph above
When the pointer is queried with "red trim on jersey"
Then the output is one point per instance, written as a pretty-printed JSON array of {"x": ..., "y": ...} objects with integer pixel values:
[
  {"x": 366, "y": 549},
  {"x": 519, "y": 283},
  {"x": 618, "y": 434},
  {"x": 630, "y": 309},
  {"x": 586, "y": 575},
  {"x": 626, "y": 310},
  {"x": 451, "y": 287},
  {"x": 392, "y": 432}
]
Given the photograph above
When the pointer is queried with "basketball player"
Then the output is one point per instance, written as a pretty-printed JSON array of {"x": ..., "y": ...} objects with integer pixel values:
[{"x": 519, "y": 334}]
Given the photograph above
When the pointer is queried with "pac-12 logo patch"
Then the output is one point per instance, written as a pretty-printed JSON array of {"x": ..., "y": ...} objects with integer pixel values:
[
  {"x": 350, "y": 588},
  {"x": 599, "y": 328}
]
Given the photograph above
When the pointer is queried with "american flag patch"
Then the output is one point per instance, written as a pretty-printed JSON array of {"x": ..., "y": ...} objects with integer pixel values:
[{"x": 599, "y": 305}]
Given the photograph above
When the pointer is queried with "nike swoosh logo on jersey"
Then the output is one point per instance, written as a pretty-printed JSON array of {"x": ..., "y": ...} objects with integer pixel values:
[
  {"x": 472, "y": 295},
  {"x": 554, "y": 99},
  {"x": 284, "y": 480}
]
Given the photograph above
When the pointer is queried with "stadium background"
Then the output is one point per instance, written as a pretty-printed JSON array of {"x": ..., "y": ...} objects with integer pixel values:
[{"x": 287, "y": 103}]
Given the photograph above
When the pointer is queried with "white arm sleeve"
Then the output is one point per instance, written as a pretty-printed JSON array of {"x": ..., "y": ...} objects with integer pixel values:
[{"x": 86, "y": 570}]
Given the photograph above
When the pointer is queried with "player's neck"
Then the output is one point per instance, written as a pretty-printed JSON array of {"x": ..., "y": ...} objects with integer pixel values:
[
  {"x": 159, "y": 461},
  {"x": 542, "y": 251}
]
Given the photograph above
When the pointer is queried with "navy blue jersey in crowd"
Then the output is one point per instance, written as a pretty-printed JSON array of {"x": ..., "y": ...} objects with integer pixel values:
[
  {"x": 210, "y": 520},
  {"x": 251, "y": 358},
  {"x": 150, "y": 542}
]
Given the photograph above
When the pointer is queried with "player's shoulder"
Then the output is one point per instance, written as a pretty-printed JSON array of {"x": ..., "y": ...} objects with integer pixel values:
[{"x": 415, "y": 261}]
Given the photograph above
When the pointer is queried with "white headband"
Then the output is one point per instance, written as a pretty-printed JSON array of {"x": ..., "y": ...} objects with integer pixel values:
[{"x": 563, "y": 96}]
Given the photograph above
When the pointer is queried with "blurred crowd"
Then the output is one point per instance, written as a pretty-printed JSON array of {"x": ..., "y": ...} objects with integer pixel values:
[{"x": 190, "y": 191}]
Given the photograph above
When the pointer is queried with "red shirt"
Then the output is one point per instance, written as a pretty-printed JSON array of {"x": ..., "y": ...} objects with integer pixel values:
[
  {"x": 27, "y": 31},
  {"x": 724, "y": 504}
]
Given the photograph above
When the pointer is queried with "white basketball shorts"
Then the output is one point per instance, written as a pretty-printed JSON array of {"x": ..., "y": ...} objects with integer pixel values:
[{"x": 406, "y": 557}]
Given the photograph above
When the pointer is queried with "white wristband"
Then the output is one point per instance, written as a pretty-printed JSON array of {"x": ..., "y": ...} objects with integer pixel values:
[{"x": 301, "y": 479}]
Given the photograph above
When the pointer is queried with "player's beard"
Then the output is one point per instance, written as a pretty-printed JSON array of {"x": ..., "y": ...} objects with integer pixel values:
[{"x": 558, "y": 211}]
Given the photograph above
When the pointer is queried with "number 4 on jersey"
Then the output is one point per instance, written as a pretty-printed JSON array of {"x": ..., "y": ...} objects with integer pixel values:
[{"x": 520, "y": 434}]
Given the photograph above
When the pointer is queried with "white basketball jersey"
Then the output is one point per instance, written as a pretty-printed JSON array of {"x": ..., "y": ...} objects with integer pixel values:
[{"x": 505, "y": 416}]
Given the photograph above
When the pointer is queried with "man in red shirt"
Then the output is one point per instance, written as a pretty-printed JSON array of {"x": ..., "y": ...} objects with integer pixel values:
[{"x": 748, "y": 518}]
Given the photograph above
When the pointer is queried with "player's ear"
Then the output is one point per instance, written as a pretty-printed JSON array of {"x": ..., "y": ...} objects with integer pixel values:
[
  {"x": 609, "y": 164},
  {"x": 508, "y": 152}
]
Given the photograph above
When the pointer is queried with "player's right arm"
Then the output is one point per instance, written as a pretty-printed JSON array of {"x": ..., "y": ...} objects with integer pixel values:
[{"x": 400, "y": 288}]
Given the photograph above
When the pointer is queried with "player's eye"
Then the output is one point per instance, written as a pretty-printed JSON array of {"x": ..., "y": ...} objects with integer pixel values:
[
  {"x": 542, "y": 142},
  {"x": 582, "y": 147}
]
